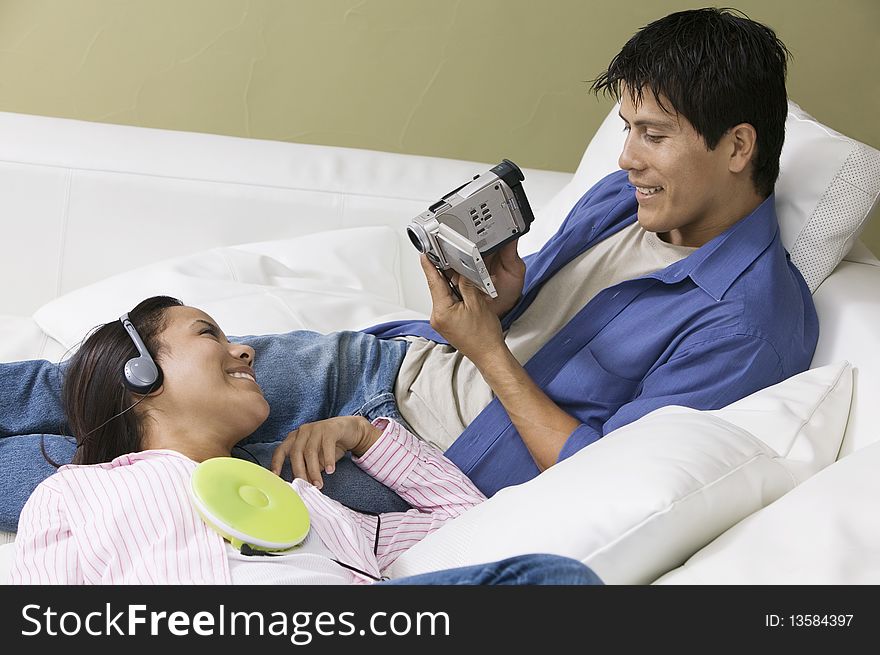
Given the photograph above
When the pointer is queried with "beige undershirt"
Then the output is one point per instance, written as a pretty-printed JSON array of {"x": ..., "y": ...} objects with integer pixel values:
[{"x": 440, "y": 392}]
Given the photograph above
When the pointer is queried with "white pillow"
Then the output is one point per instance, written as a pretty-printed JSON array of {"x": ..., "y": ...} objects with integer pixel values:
[
  {"x": 824, "y": 532},
  {"x": 644, "y": 498},
  {"x": 326, "y": 281},
  {"x": 827, "y": 187},
  {"x": 21, "y": 338}
]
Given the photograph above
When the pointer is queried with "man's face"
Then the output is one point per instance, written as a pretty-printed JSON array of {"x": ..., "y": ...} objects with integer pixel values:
[{"x": 682, "y": 187}]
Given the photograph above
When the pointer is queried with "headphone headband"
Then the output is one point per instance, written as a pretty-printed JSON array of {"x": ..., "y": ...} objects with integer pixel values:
[
  {"x": 140, "y": 374},
  {"x": 133, "y": 333}
]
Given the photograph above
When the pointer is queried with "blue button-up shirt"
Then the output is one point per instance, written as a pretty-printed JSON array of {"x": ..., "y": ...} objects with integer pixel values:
[{"x": 731, "y": 318}]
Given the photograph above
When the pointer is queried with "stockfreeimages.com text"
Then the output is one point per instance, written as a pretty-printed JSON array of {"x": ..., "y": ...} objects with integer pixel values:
[{"x": 300, "y": 627}]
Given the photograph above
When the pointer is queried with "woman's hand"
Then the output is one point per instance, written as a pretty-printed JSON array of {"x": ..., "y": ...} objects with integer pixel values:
[{"x": 316, "y": 447}]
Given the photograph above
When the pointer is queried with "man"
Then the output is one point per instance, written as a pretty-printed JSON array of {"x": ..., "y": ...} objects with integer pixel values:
[{"x": 666, "y": 284}]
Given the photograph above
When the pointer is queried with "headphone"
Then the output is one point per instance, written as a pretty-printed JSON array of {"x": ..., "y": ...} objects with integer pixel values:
[{"x": 140, "y": 374}]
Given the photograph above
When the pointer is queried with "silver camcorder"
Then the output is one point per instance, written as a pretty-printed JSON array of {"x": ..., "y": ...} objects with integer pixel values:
[{"x": 473, "y": 221}]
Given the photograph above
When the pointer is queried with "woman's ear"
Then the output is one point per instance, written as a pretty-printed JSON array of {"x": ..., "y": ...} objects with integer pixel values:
[
  {"x": 743, "y": 139},
  {"x": 157, "y": 392},
  {"x": 153, "y": 393}
]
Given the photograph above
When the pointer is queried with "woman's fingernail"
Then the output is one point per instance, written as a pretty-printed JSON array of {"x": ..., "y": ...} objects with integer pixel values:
[
  {"x": 329, "y": 470},
  {"x": 317, "y": 483}
]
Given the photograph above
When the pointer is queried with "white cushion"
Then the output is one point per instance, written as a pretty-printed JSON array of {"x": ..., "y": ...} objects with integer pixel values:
[
  {"x": 848, "y": 305},
  {"x": 644, "y": 498},
  {"x": 803, "y": 418},
  {"x": 21, "y": 338},
  {"x": 327, "y": 281},
  {"x": 824, "y": 532},
  {"x": 827, "y": 187}
]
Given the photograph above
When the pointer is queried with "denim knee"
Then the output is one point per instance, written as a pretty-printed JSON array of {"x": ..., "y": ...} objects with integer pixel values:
[{"x": 548, "y": 569}]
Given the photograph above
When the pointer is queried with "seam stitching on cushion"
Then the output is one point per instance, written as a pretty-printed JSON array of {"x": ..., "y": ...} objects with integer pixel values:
[
  {"x": 65, "y": 215},
  {"x": 673, "y": 504},
  {"x": 225, "y": 259},
  {"x": 820, "y": 126},
  {"x": 818, "y": 404},
  {"x": 398, "y": 273},
  {"x": 267, "y": 291},
  {"x": 221, "y": 181},
  {"x": 760, "y": 444}
]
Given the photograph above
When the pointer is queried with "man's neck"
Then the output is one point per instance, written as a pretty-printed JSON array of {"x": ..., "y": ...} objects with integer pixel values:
[{"x": 732, "y": 209}]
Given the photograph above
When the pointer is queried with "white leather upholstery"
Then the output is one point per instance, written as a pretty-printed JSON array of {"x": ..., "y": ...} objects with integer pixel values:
[
  {"x": 848, "y": 304},
  {"x": 81, "y": 201}
]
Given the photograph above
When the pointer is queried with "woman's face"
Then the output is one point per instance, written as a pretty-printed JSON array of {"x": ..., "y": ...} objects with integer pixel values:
[{"x": 209, "y": 384}]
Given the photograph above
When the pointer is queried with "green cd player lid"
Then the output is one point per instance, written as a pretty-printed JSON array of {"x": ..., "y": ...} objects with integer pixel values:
[{"x": 248, "y": 504}]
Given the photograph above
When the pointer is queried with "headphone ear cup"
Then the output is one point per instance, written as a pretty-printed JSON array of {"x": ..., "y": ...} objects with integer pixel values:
[{"x": 141, "y": 375}]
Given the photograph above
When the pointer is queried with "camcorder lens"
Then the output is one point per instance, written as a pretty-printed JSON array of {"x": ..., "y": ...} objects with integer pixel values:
[{"x": 416, "y": 240}]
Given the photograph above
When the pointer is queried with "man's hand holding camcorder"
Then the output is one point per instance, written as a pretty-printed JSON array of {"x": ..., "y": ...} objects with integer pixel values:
[{"x": 471, "y": 324}]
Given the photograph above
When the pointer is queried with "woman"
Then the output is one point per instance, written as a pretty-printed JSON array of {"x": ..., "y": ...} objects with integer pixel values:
[{"x": 150, "y": 396}]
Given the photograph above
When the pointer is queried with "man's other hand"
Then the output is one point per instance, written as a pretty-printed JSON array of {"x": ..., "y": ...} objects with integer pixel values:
[{"x": 508, "y": 273}]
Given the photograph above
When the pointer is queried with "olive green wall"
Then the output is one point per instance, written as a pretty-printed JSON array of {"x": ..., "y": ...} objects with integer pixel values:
[{"x": 472, "y": 79}]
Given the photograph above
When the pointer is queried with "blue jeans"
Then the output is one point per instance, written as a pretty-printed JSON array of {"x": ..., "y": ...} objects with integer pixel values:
[
  {"x": 521, "y": 570},
  {"x": 305, "y": 376}
]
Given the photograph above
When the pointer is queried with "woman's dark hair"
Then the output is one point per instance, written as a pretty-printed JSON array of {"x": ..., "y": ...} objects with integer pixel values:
[
  {"x": 717, "y": 68},
  {"x": 95, "y": 400}
]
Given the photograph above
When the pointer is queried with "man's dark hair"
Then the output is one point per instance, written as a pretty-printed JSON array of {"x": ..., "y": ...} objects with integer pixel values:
[{"x": 717, "y": 68}]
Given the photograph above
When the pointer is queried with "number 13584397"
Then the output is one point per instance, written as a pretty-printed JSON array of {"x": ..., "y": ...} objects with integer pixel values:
[{"x": 808, "y": 620}]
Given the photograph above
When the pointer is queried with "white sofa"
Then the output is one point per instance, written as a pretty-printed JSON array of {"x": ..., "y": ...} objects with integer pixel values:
[{"x": 271, "y": 236}]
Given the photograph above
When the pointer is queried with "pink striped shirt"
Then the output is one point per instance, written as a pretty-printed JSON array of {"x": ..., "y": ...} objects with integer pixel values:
[{"x": 130, "y": 521}]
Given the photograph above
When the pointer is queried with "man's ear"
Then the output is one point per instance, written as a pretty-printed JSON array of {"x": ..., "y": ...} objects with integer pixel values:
[{"x": 743, "y": 144}]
